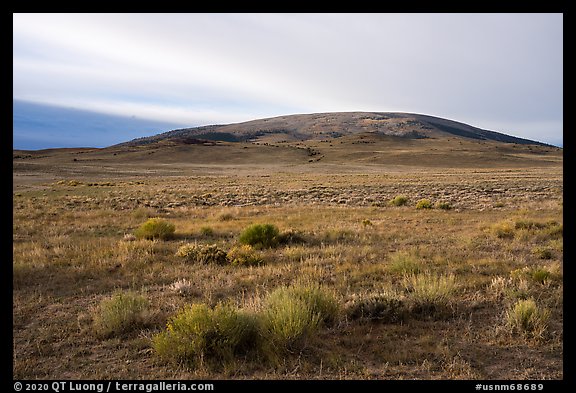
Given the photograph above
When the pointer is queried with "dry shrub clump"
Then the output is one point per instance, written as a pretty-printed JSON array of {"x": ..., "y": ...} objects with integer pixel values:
[
  {"x": 287, "y": 319},
  {"x": 203, "y": 254},
  {"x": 200, "y": 334},
  {"x": 386, "y": 306},
  {"x": 245, "y": 255}
]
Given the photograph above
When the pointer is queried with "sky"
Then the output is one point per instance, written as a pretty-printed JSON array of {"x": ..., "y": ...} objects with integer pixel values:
[{"x": 502, "y": 72}]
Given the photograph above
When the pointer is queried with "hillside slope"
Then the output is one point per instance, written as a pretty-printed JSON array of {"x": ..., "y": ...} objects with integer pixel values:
[{"x": 335, "y": 125}]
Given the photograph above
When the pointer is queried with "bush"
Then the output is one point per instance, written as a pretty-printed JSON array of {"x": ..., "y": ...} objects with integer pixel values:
[
  {"x": 245, "y": 255},
  {"x": 155, "y": 228},
  {"x": 260, "y": 236},
  {"x": 200, "y": 333},
  {"x": 205, "y": 254},
  {"x": 424, "y": 204},
  {"x": 429, "y": 292},
  {"x": 293, "y": 314},
  {"x": 385, "y": 307},
  {"x": 527, "y": 319},
  {"x": 123, "y": 312},
  {"x": 399, "y": 200}
]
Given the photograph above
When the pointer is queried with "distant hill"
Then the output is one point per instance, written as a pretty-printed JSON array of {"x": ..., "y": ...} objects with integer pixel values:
[
  {"x": 323, "y": 126},
  {"x": 333, "y": 142}
]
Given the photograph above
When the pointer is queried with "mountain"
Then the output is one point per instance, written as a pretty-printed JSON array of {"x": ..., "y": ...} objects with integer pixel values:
[
  {"x": 324, "y": 126},
  {"x": 334, "y": 142}
]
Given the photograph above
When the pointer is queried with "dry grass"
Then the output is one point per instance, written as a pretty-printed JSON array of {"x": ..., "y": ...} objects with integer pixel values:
[{"x": 71, "y": 254}]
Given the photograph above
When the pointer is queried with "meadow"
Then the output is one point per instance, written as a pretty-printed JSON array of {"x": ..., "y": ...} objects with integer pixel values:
[{"x": 409, "y": 273}]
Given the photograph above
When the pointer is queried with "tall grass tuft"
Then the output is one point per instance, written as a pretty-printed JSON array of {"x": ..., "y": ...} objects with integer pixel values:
[
  {"x": 528, "y": 319},
  {"x": 429, "y": 292},
  {"x": 121, "y": 313},
  {"x": 404, "y": 262},
  {"x": 291, "y": 315}
]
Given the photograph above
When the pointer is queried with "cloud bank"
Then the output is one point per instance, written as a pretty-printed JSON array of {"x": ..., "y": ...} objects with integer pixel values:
[{"x": 497, "y": 71}]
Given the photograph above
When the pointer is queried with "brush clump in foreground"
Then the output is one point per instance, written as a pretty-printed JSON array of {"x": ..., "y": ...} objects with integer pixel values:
[{"x": 287, "y": 318}]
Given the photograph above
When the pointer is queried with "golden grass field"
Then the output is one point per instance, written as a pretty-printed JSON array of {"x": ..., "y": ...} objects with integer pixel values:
[{"x": 499, "y": 238}]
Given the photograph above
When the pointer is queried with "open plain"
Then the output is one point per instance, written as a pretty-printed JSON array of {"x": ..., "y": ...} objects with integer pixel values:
[{"x": 352, "y": 223}]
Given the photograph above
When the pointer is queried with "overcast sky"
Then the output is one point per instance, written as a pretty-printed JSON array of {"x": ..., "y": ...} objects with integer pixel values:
[{"x": 502, "y": 72}]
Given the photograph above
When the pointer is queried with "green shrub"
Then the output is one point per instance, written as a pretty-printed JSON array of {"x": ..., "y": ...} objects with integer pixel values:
[
  {"x": 201, "y": 253},
  {"x": 155, "y": 228},
  {"x": 384, "y": 307},
  {"x": 245, "y": 255},
  {"x": 399, "y": 200},
  {"x": 527, "y": 319},
  {"x": 429, "y": 292},
  {"x": 424, "y": 204},
  {"x": 123, "y": 312},
  {"x": 260, "y": 236},
  {"x": 199, "y": 333},
  {"x": 291, "y": 315}
]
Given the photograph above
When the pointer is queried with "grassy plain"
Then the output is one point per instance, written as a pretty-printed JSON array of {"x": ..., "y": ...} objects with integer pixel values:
[{"x": 497, "y": 240}]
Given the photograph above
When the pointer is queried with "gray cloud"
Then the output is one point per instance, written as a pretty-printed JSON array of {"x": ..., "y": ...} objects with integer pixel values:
[{"x": 498, "y": 71}]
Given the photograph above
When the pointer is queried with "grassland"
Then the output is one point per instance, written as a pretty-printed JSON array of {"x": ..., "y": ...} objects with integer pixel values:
[{"x": 457, "y": 273}]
